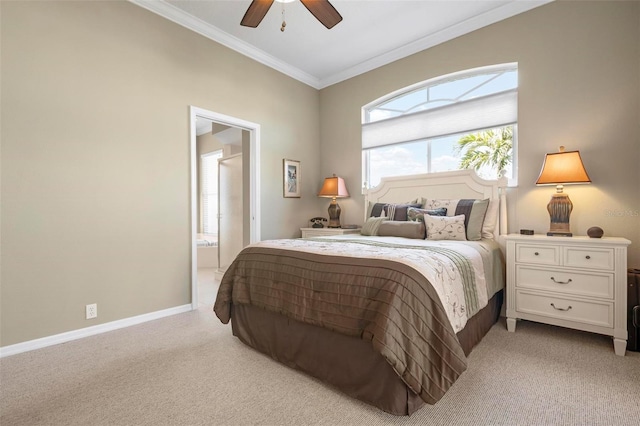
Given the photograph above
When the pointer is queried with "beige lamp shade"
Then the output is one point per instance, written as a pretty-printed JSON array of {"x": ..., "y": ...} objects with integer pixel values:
[
  {"x": 333, "y": 187},
  {"x": 563, "y": 167}
]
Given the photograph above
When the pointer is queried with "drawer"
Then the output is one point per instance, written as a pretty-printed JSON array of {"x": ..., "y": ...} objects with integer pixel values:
[
  {"x": 589, "y": 258},
  {"x": 543, "y": 255},
  {"x": 565, "y": 281},
  {"x": 311, "y": 234},
  {"x": 599, "y": 313}
]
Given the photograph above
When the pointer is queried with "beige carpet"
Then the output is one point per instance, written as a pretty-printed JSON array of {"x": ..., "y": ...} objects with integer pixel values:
[{"x": 189, "y": 370}]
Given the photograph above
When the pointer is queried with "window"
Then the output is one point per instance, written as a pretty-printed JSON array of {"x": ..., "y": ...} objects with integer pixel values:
[
  {"x": 461, "y": 120},
  {"x": 209, "y": 191}
]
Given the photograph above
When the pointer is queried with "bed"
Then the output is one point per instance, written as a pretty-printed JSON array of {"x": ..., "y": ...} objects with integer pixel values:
[{"x": 387, "y": 318}]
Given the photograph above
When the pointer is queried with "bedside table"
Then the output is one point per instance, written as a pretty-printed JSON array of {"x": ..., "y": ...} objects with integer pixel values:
[
  {"x": 573, "y": 282},
  {"x": 320, "y": 232}
]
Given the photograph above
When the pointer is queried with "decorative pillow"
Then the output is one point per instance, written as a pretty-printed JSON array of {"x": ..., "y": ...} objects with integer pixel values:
[
  {"x": 416, "y": 215},
  {"x": 398, "y": 211},
  {"x": 445, "y": 227},
  {"x": 376, "y": 209},
  {"x": 395, "y": 228},
  {"x": 371, "y": 226},
  {"x": 474, "y": 212},
  {"x": 448, "y": 204},
  {"x": 420, "y": 200}
]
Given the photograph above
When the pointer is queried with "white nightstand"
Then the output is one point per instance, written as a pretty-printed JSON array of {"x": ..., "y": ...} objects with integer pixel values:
[
  {"x": 319, "y": 232},
  {"x": 574, "y": 282}
]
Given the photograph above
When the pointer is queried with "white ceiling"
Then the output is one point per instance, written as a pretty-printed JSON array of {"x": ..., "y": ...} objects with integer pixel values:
[{"x": 372, "y": 33}]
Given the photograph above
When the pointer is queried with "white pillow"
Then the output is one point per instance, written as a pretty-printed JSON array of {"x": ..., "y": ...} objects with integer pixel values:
[
  {"x": 491, "y": 219},
  {"x": 481, "y": 215},
  {"x": 449, "y": 204},
  {"x": 445, "y": 227}
]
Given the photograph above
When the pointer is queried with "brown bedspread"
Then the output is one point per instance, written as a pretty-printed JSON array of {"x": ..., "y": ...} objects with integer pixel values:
[{"x": 385, "y": 302}]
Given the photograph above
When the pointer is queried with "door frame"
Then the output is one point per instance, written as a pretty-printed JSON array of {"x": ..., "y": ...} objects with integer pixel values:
[{"x": 254, "y": 182}]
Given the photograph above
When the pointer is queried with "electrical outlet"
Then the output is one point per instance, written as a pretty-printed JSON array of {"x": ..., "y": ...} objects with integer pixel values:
[{"x": 92, "y": 310}]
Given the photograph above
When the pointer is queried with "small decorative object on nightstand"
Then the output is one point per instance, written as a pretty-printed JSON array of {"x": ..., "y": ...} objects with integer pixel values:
[
  {"x": 595, "y": 232},
  {"x": 320, "y": 232},
  {"x": 578, "y": 283}
]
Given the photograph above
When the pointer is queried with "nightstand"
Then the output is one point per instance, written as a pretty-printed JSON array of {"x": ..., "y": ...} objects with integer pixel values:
[
  {"x": 320, "y": 232},
  {"x": 573, "y": 282}
]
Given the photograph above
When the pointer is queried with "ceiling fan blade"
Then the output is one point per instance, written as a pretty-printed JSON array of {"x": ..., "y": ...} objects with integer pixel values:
[
  {"x": 323, "y": 11},
  {"x": 255, "y": 13}
]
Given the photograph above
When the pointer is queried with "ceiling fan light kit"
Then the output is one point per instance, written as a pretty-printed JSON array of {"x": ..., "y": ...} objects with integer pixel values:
[{"x": 321, "y": 9}]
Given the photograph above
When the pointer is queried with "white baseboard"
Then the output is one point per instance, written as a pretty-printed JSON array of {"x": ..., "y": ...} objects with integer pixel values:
[{"x": 89, "y": 331}]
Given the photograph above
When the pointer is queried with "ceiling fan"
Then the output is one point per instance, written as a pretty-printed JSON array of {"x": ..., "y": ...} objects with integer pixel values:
[{"x": 321, "y": 9}]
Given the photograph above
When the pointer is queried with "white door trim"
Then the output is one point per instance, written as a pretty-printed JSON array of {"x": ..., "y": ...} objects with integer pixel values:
[{"x": 254, "y": 183}]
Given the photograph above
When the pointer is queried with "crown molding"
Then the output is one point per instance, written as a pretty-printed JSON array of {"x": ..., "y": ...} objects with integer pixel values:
[
  {"x": 180, "y": 17},
  {"x": 172, "y": 13},
  {"x": 472, "y": 24}
]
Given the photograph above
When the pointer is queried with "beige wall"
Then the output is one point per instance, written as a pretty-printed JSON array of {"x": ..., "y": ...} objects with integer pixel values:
[
  {"x": 95, "y": 158},
  {"x": 579, "y": 86}
]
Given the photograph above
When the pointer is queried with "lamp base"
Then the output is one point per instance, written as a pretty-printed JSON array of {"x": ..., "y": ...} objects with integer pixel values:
[
  {"x": 559, "y": 209},
  {"x": 334, "y": 214}
]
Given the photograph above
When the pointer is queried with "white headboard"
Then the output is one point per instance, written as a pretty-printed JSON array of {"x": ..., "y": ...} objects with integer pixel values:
[{"x": 456, "y": 184}]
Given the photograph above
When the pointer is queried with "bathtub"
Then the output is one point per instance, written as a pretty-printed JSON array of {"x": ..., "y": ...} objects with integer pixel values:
[{"x": 207, "y": 250}]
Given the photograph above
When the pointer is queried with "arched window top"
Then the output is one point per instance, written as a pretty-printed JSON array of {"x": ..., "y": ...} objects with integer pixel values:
[
  {"x": 444, "y": 90},
  {"x": 467, "y": 119}
]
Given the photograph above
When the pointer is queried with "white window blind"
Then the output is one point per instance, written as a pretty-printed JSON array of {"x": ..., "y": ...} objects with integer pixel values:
[
  {"x": 489, "y": 111},
  {"x": 209, "y": 191}
]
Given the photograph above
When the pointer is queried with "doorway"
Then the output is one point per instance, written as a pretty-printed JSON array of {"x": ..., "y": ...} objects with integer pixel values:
[{"x": 251, "y": 191}]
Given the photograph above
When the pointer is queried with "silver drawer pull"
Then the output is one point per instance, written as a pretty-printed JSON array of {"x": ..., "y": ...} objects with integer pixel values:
[
  {"x": 560, "y": 309},
  {"x": 561, "y": 282},
  {"x": 587, "y": 257}
]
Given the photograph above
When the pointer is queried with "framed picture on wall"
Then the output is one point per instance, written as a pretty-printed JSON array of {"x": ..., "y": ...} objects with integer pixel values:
[{"x": 291, "y": 183}]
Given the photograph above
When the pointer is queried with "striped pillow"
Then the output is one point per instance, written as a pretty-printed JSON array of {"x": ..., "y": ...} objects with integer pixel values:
[
  {"x": 371, "y": 226},
  {"x": 474, "y": 212}
]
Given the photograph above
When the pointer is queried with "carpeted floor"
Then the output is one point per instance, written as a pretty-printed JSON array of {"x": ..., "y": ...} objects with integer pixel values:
[{"x": 189, "y": 370}]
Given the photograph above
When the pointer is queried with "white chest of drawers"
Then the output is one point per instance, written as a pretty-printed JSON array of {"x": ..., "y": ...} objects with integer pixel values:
[{"x": 575, "y": 282}]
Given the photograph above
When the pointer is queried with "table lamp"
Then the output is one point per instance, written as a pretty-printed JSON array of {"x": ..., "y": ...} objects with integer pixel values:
[
  {"x": 333, "y": 188},
  {"x": 560, "y": 168}
]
